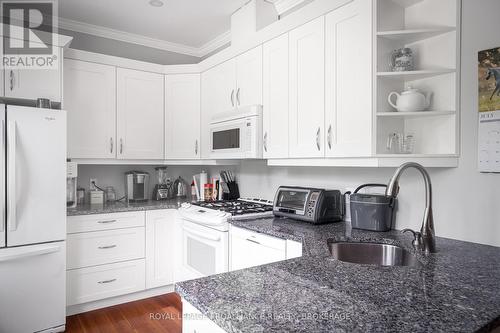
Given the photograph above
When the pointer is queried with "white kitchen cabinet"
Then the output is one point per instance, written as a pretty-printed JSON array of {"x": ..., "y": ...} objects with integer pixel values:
[
  {"x": 35, "y": 83},
  {"x": 218, "y": 95},
  {"x": 99, "y": 282},
  {"x": 182, "y": 116},
  {"x": 90, "y": 100},
  {"x": 275, "y": 98},
  {"x": 249, "y": 248},
  {"x": 348, "y": 102},
  {"x": 140, "y": 114},
  {"x": 160, "y": 253},
  {"x": 249, "y": 78},
  {"x": 307, "y": 89}
]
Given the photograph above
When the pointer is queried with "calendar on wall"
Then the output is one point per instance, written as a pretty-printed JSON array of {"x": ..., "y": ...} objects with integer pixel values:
[{"x": 489, "y": 110}]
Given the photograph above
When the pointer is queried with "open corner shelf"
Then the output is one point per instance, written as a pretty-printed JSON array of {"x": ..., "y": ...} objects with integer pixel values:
[
  {"x": 414, "y": 35},
  {"x": 415, "y": 75},
  {"x": 415, "y": 114}
]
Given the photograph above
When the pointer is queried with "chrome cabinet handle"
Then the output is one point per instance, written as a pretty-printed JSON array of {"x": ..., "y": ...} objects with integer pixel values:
[
  {"x": 11, "y": 80},
  {"x": 265, "y": 142},
  {"x": 196, "y": 147},
  {"x": 121, "y": 146},
  {"x": 253, "y": 241},
  {"x": 107, "y": 281},
  {"x": 317, "y": 138},
  {"x": 232, "y": 97},
  {"x": 106, "y": 221},
  {"x": 330, "y": 137},
  {"x": 238, "y": 96},
  {"x": 107, "y": 247},
  {"x": 111, "y": 145}
]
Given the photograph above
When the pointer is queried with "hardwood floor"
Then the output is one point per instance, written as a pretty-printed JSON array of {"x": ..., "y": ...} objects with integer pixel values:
[{"x": 156, "y": 314}]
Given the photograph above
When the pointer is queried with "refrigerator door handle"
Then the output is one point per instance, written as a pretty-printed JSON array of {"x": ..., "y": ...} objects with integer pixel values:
[
  {"x": 2, "y": 175},
  {"x": 23, "y": 252},
  {"x": 11, "y": 171}
]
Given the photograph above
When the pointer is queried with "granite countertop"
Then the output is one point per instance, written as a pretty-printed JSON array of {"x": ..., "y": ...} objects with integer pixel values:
[
  {"x": 120, "y": 206},
  {"x": 456, "y": 289}
]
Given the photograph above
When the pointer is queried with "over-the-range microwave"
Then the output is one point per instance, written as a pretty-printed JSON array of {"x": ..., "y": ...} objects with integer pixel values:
[{"x": 237, "y": 134}]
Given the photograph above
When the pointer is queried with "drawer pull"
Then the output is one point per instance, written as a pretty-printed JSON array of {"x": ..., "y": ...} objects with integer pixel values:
[
  {"x": 106, "y": 221},
  {"x": 107, "y": 247},
  {"x": 253, "y": 241},
  {"x": 107, "y": 281}
]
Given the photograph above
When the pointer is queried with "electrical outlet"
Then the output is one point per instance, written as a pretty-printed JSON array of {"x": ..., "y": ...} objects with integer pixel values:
[{"x": 91, "y": 184}]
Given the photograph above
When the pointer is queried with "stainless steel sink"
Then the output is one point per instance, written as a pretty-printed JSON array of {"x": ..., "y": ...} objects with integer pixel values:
[{"x": 372, "y": 254}]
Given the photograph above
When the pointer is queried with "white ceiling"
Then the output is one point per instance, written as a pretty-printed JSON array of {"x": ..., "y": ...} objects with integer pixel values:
[{"x": 186, "y": 26}]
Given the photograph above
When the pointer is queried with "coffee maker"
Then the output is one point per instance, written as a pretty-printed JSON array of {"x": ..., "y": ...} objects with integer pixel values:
[
  {"x": 71, "y": 184},
  {"x": 162, "y": 190}
]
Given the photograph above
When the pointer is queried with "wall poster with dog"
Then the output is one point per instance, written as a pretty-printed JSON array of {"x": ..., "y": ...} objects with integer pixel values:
[{"x": 489, "y": 110}]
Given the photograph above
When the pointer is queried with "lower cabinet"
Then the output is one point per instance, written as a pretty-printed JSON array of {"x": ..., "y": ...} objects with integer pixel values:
[
  {"x": 115, "y": 254},
  {"x": 249, "y": 248},
  {"x": 160, "y": 228},
  {"x": 193, "y": 321},
  {"x": 103, "y": 281}
]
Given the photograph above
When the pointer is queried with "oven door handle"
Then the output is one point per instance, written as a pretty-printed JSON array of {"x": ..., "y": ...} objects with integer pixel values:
[{"x": 201, "y": 235}]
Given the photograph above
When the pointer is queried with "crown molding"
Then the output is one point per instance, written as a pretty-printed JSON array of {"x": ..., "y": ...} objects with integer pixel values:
[
  {"x": 215, "y": 44},
  {"x": 127, "y": 37},
  {"x": 283, "y": 6}
]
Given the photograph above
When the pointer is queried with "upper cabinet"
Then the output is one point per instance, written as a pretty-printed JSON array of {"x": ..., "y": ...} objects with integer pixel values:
[
  {"x": 182, "y": 116},
  {"x": 90, "y": 100},
  {"x": 218, "y": 95},
  {"x": 275, "y": 98},
  {"x": 34, "y": 83},
  {"x": 249, "y": 78},
  {"x": 307, "y": 89},
  {"x": 348, "y": 68},
  {"x": 140, "y": 122}
]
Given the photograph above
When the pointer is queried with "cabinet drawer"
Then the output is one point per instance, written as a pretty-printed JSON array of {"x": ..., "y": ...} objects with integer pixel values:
[
  {"x": 95, "y": 283},
  {"x": 84, "y": 223},
  {"x": 104, "y": 247},
  {"x": 264, "y": 240}
]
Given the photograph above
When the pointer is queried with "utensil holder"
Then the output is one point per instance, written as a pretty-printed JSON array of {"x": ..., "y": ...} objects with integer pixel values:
[{"x": 234, "y": 191}]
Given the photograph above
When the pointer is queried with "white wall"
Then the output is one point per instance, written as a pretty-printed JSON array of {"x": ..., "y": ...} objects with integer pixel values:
[{"x": 466, "y": 203}]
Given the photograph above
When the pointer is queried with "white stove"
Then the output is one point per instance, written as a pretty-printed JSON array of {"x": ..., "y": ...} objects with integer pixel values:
[
  {"x": 205, "y": 237},
  {"x": 217, "y": 214}
]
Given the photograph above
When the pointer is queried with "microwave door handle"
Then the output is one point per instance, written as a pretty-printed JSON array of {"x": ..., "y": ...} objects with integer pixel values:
[
  {"x": 11, "y": 171},
  {"x": 201, "y": 235},
  {"x": 2, "y": 175}
]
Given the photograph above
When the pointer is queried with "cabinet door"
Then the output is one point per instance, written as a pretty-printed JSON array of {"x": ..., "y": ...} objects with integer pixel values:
[
  {"x": 90, "y": 100},
  {"x": 139, "y": 114},
  {"x": 307, "y": 85},
  {"x": 250, "y": 249},
  {"x": 249, "y": 77},
  {"x": 348, "y": 114},
  {"x": 275, "y": 106},
  {"x": 182, "y": 116},
  {"x": 160, "y": 228},
  {"x": 34, "y": 83},
  {"x": 218, "y": 94}
]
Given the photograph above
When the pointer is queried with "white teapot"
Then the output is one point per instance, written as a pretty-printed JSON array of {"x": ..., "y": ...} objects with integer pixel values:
[{"x": 410, "y": 100}]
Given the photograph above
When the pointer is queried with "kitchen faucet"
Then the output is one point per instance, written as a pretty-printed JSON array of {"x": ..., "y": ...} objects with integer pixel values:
[{"x": 423, "y": 240}]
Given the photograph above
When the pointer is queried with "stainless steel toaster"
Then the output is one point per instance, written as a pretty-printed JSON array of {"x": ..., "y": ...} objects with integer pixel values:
[
  {"x": 137, "y": 186},
  {"x": 311, "y": 205}
]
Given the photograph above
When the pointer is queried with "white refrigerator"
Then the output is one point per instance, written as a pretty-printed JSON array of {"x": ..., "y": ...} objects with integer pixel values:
[{"x": 32, "y": 219}]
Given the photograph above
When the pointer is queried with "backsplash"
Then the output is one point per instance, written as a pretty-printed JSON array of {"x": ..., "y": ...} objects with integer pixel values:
[{"x": 114, "y": 175}]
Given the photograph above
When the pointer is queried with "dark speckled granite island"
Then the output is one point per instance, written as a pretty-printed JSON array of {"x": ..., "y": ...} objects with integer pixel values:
[{"x": 454, "y": 290}]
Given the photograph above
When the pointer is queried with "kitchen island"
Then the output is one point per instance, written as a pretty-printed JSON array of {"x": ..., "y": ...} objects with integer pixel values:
[{"x": 456, "y": 289}]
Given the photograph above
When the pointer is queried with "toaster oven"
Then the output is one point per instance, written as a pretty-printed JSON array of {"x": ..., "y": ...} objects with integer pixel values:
[{"x": 311, "y": 205}]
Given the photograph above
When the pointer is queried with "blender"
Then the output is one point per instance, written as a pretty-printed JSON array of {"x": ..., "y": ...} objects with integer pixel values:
[{"x": 162, "y": 190}]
